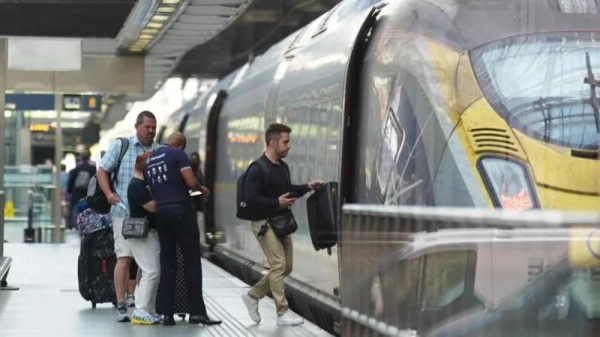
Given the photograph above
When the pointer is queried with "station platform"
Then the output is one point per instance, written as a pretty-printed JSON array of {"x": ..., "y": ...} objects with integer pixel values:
[{"x": 48, "y": 302}]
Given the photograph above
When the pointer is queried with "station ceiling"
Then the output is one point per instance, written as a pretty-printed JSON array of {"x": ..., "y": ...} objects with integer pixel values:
[
  {"x": 64, "y": 18},
  {"x": 196, "y": 38},
  {"x": 264, "y": 23}
]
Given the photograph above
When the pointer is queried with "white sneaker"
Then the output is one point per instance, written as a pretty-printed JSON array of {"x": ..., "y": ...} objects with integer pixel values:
[
  {"x": 130, "y": 301},
  {"x": 252, "y": 306},
  {"x": 289, "y": 319}
]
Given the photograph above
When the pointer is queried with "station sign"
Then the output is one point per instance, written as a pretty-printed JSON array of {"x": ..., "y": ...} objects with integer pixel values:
[{"x": 45, "y": 102}]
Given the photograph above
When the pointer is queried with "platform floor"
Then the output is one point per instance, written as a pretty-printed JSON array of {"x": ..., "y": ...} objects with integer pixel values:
[{"x": 48, "y": 302}]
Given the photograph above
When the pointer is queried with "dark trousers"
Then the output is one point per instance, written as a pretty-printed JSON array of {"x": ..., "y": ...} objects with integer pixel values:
[{"x": 178, "y": 224}]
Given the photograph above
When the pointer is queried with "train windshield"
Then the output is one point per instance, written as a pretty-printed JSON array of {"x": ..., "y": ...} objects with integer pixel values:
[{"x": 540, "y": 84}]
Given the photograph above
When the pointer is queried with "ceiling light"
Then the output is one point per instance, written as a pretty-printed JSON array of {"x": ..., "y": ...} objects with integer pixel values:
[
  {"x": 154, "y": 25},
  {"x": 160, "y": 18},
  {"x": 146, "y": 37},
  {"x": 170, "y": 1},
  {"x": 149, "y": 31},
  {"x": 165, "y": 9}
]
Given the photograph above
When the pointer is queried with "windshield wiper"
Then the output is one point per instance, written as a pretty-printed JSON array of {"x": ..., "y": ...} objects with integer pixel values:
[{"x": 594, "y": 83}]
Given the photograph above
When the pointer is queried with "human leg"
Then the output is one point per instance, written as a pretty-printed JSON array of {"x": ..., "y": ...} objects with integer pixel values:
[
  {"x": 121, "y": 273},
  {"x": 147, "y": 252}
]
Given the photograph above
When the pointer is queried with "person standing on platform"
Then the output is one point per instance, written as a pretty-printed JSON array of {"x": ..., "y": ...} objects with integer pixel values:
[
  {"x": 79, "y": 179},
  {"x": 146, "y": 251},
  {"x": 142, "y": 141},
  {"x": 169, "y": 175},
  {"x": 264, "y": 200}
]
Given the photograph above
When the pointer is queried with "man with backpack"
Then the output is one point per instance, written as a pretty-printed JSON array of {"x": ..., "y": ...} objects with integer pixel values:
[
  {"x": 79, "y": 179},
  {"x": 265, "y": 195},
  {"x": 114, "y": 174}
]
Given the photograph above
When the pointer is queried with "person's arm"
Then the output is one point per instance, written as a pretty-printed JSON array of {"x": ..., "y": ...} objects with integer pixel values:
[
  {"x": 183, "y": 163},
  {"x": 150, "y": 206},
  {"x": 139, "y": 194},
  {"x": 254, "y": 184},
  {"x": 299, "y": 191},
  {"x": 71, "y": 183},
  {"x": 93, "y": 170},
  {"x": 108, "y": 163}
]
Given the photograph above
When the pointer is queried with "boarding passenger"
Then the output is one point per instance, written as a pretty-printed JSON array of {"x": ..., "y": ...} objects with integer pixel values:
[
  {"x": 141, "y": 142},
  {"x": 146, "y": 251},
  {"x": 169, "y": 174},
  {"x": 263, "y": 200},
  {"x": 195, "y": 163}
]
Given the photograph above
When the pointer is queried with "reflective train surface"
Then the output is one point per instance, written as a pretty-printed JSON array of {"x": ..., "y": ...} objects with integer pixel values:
[{"x": 470, "y": 103}]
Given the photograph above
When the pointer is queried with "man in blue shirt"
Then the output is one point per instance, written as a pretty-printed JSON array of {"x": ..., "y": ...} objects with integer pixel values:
[
  {"x": 169, "y": 175},
  {"x": 142, "y": 141}
]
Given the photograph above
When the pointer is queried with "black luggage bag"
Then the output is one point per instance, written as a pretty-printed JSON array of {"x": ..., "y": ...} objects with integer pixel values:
[
  {"x": 182, "y": 306},
  {"x": 96, "y": 266},
  {"x": 322, "y": 216}
]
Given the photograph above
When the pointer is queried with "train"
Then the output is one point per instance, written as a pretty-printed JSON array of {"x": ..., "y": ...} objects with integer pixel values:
[{"x": 456, "y": 103}]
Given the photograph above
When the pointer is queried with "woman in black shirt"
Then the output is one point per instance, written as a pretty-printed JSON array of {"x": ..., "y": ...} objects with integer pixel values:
[{"x": 146, "y": 251}]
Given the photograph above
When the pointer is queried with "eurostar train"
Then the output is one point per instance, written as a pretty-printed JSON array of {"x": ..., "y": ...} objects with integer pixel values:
[{"x": 471, "y": 103}]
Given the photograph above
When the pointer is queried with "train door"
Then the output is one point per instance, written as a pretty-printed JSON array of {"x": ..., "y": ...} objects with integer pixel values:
[
  {"x": 211, "y": 233},
  {"x": 352, "y": 114}
]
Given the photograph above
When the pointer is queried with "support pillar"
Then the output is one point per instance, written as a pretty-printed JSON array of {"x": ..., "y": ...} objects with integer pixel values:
[{"x": 58, "y": 236}]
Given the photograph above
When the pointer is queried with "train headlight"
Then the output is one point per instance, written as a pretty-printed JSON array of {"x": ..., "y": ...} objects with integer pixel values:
[{"x": 508, "y": 183}]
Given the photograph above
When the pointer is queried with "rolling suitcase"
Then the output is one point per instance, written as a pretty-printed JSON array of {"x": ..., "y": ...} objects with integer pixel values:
[
  {"x": 96, "y": 265},
  {"x": 322, "y": 216},
  {"x": 182, "y": 307}
]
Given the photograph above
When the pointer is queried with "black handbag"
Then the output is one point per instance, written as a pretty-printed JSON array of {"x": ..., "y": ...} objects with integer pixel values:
[
  {"x": 135, "y": 228},
  {"x": 282, "y": 223}
]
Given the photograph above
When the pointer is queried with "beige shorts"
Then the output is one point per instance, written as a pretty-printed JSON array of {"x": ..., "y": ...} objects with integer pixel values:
[{"x": 121, "y": 245}]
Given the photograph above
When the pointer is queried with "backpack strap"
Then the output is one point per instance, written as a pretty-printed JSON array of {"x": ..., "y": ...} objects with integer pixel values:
[
  {"x": 124, "y": 148},
  {"x": 265, "y": 169}
]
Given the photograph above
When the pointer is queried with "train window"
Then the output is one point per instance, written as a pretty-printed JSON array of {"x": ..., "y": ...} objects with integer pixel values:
[
  {"x": 326, "y": 17},
  {"x": 392, "y": 142},
  {"x": 320, "y": 133},
  {"x": 536, "y": 83},
  {"x": 445, "y": 278},
  {"x": 335, "y": 115},
  {"x": 400, "y": 289}
]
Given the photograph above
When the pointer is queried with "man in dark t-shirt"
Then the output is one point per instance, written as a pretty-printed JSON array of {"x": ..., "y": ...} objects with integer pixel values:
[{"x": 169, "y": 175}]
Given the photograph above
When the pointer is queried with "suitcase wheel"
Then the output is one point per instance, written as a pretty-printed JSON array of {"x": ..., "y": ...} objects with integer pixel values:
[{"x": 93, "y": 305}]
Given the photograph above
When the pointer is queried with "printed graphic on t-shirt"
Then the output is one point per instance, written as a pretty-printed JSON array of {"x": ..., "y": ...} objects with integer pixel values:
[{"x": 156, "y": 169}]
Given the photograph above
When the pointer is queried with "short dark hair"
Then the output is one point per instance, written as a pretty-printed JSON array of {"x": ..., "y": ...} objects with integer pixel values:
[
  {"x": 85, "y": 155},
  {"x": 144, "y": 114},
  {"x": 275, "y": 130}
]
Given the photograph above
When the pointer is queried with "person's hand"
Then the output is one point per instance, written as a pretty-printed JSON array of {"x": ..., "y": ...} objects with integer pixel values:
[
  {"x": 113, "y": 199},
  {"x": 204, "y": 190},
  {"x": 286, "y": 201},
  {"x": 315, "y": 184}
]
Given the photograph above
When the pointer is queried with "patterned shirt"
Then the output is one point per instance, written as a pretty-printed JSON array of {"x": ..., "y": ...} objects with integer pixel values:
[{"x": 109, "y": 164}]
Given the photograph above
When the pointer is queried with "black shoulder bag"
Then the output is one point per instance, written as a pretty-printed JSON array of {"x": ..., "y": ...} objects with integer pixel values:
[
  {"x": 282, "y": 221},
  {"x": 135, "y": 228}
]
